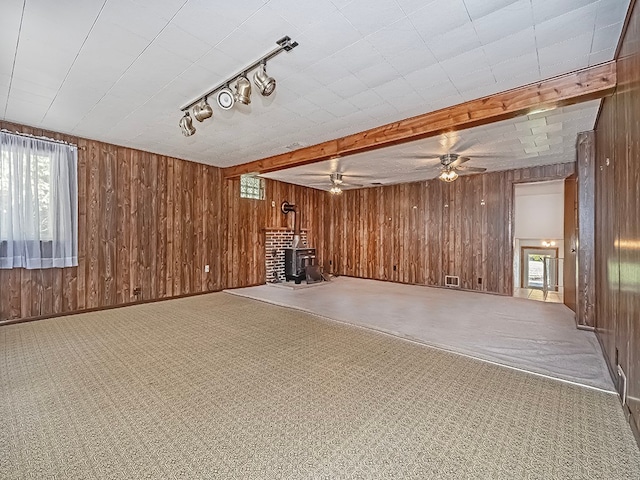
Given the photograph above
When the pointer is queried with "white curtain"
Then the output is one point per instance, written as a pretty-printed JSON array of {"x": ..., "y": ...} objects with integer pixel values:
[{"x": 38, "y": 203}]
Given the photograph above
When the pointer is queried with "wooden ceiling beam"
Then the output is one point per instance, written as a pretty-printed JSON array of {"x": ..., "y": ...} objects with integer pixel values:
[{"x": 579, "y": 86}]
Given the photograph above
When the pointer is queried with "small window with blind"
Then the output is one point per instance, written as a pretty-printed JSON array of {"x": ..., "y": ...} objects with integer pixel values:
[{"x": 252, "y": 186}]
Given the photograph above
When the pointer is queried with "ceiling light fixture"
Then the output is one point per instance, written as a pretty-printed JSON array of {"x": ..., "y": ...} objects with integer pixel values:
[
  {"x": 226, "y": 98},
  {"x": 448, "y": 175},
  {"x": 266, "y": 84},
  {"x": 335, "y": 190},
  {"x": 202, "y": 110},
  {"x": 186, "y": 124},
  {"x": 243, "y": 90}
]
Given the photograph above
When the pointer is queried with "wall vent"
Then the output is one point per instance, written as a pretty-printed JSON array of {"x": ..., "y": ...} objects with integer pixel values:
[{"x": 451, "y": 281}]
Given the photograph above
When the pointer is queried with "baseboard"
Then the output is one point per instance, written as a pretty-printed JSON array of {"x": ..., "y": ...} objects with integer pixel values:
[
  {"x": 614, "y": 377},
  {"x": 99, "y": 309}
]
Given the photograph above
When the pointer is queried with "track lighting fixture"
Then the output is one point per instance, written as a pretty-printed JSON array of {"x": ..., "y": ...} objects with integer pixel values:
[
  {"x": 266, "y": 84},
  {"x": 202, "y": 110},
  {"x": 243, "y": 90},
  {"x": 225, "y": 98},
  {"x": 448, "y": 176},
  {"x": 186, "y": 124}
]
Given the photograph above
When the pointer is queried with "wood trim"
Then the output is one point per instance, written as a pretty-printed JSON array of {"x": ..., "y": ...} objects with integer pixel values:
[{"x": 579, "y": 86}]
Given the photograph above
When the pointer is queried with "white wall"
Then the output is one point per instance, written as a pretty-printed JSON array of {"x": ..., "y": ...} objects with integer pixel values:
[
  {"x": 539, "y": 210},
  {"x": 539, "y": 217}
]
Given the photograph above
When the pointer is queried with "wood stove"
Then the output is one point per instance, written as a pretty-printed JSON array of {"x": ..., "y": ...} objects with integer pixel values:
[{"x": 296, "y": 261}]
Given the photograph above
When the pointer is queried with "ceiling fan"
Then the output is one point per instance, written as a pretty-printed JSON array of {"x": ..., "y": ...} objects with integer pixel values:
[
  {"x": 452, "y": 163},
  {"x": 337, "y": 183}
]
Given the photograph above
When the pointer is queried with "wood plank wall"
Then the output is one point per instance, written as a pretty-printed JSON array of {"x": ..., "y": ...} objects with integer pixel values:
[
  {"x": 586, "y": 229},
  {"x": 145, "y": 221},
  {"x": 419, "y": 232},
  {"x": 618, "y": 219},
  {"x": 248, "y": 219}
]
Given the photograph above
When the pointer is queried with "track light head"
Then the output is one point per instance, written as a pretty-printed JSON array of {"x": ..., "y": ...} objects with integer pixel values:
[
  {"x": 202, "y": 110},
  {"x": 186, "y": 124},
  {"x": 225, "y": 99},
  {"x": 243, "y": 90},
  {"x": 266, "y": 84}
]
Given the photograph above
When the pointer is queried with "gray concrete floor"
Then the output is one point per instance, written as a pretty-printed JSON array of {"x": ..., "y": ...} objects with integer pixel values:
[{"x": 533, "y": 336}]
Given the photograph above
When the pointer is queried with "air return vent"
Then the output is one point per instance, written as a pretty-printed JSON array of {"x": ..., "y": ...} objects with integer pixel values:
[{"x": 451, "y": 281}]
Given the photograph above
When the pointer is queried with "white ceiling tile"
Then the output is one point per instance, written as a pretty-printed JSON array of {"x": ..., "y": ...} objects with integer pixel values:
[
  {"x": 143, "y": 21},
  {"x": 466, "y": 63},
  {"x": 304, "y": 14},
  {"x": 545, "y": 9},
  {"x": 368, "y": 16},
  {"x": 347, "y": 86},
  {"x": 190, "y": 19},
  {"x": 377, "y": 74},
  {"x": 9, "y": 28},
  {"x": 602, "y": 56},
  {"x": 329, "y": 38},
  {"x": 453, "y": 43},
  {"x": 610, "y": 12},
  {"x": 577, "y": 23},
  {"x": 508, "y": 20},
  {"x": 180, "y": 42},
  {"x": 268, "y": 26},
  {"x": 356, "y": 56},
  {"x": 326, "y": 72},
  {"x": 438, "y": 18},
  {"x": 511, "y": 46},
  {"x": 569, "y": 49},
  {"x": 606, "y": 38},
  {"x": 526, "y": 64},
  {"x": 396, "y": 37},
  {"x": 480, "y": 8}
]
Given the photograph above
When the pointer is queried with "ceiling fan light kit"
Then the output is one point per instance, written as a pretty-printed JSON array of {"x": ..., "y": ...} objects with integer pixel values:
[
  {"x": 448, "y": 176},
  {"x": 225, "y": 98}
]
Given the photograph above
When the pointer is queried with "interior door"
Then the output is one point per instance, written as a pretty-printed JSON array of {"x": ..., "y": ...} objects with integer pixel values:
[{"x": 570, "y": 281}]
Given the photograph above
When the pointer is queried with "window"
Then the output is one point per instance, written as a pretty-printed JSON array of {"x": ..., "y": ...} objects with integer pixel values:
[
  {"x": 38, "y": 203},
  {"x": 251, "y": 187}
]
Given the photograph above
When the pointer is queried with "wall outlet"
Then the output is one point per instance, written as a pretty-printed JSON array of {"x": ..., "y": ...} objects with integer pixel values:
[{"x": 206, "y": 269}]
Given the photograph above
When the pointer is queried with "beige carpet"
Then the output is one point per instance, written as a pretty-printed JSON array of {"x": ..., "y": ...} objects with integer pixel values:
[{"x": 219, "y": 386}]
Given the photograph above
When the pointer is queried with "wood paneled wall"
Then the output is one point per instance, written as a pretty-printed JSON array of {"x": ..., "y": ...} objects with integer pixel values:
[
  {"x": 247, "y": 221},
  {"x": 618, "y": 219},
  {"x": 585, "y": 313},
  {"x": 419, "y": 232},
  {"x": 144, "y": 221}
]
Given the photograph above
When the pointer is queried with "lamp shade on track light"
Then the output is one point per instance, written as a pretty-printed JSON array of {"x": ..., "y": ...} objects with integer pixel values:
[
  {"x": 266, "y": 84},
  {"x": 186, "y": 125},
  {"x": 243, "y": 90},
  {"x": 225, "y": 99},
  {"x": 202, "y": 110}
]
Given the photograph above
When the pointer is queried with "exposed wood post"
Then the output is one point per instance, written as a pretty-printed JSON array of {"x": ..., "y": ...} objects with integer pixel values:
[{"x": 586, "y": 229}]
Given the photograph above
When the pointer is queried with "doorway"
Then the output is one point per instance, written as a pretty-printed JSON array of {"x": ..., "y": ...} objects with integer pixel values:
[
  {"x": 539, "y": 268},
  {"x": 538, "y": 249}
]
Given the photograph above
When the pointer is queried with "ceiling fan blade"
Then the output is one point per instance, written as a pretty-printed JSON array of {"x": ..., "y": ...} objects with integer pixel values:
[
  {"x": 459, "y": 161},
  {"x": 470, "y": 169},
  {"x": 344, "y": 184}
]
